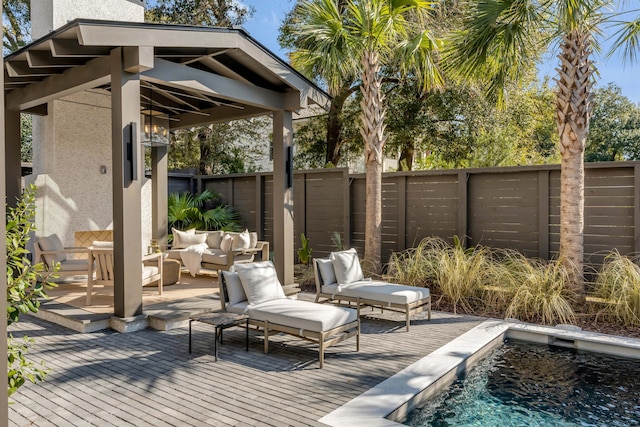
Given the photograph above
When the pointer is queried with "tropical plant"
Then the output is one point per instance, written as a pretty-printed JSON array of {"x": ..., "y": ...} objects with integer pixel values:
[
  {"x": 304, "y": 253},
  {"x": 188, "y": 211},
  {"x": 25, "y": 288},
  {"x": 618, "y": 284},
  {"x": 357, "y": 38},
  {"x": 336, "y": 240},
  {"x": 497, "y": 39}
]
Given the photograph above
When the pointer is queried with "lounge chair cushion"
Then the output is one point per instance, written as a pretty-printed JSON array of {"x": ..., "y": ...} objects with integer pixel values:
[
  {"x": 303, "y": 315},
  {"x": 260, "y": 282},
  {"x": 148, "y": 271},
  {"x": 235, "y": 290},
  {"x": 346, "y": 266},
  {"x": 379, "y": 291},
  {"x": 52, "y": 243},
  {"x": 183, "y": 239},
  {"x": 325, "y": 266}
]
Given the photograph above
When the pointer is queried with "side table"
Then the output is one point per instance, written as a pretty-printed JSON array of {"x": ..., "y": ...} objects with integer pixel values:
[{"x": 221, "y": 321}]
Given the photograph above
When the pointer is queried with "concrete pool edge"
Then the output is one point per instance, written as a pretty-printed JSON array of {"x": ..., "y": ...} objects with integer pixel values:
[{"x": 394, "y": 397}]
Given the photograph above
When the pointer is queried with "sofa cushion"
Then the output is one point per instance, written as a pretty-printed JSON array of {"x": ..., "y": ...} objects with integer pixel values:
[
  {"x": 346, "y": 266},
  {"x": 235, "y": 291},
  {"x": 253, "y": 240},
  {"x": 214, "y": 256},
  {"x": 241, "y": 240},
  {"x": 214, "y": 238},
  {"x": 52, "y": 243},
  {"x": 260, "y": 281},
  {"x": 183, "y": 239}
]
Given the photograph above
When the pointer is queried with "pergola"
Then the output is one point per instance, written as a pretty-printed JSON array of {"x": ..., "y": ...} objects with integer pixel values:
[{"x": 192, "y": 75}]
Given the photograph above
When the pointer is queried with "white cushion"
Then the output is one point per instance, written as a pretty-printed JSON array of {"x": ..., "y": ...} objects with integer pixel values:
[
  {"x": 346, "y": 266},
  {"x": 260, "y": 281},
  {"x": 235, "y": 291},
  {"x": 213, "y": 238},
  {"x": 148, "y": 271},
  {"x": 301, "y": 315},
  {"x": 379, "y": 291},
  {"x": 242, "y": 240},
  {"x": 182, "y": 239},
  {"x": 325, "y": 267},
  {"x": 52, "y": 243},
  {"x": 253, "y": 240},
  {"x": 226, "y": 243}
]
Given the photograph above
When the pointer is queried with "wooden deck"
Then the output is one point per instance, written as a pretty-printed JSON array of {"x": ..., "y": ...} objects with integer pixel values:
[{"x": 148, "y": 378}]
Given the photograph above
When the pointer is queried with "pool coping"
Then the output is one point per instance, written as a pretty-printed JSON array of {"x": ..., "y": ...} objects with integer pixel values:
[{"x": 393, "y": 398}]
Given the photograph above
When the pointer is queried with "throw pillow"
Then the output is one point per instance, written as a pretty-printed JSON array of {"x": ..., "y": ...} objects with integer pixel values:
[
  {"x": 52, "y": 243},
  {"x": 235, "y": 291},
  {"x": 214, "y": 238},
  {"x": 253, "y": 240},
  {"x": 178, "y": 237},
  {"x": 346, "y": 266},
  {"x": 226, "y": 243},
  {"x": 325, "y": 267},
  {"x": 260, "y": 281},
  {"x": 186, "y": 240},
  {"x": 241, "y": 240}
]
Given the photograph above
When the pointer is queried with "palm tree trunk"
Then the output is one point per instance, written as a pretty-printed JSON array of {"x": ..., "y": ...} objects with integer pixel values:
[
  {"x": 334, "y": 126},
  {"x": 372, "y": 131},
  {"x": 574, "y": 104}
]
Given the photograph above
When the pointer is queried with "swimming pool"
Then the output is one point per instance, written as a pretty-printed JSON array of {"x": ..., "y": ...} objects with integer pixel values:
[
  {"x": 524, "y": 384},
  {"x": 388, "y": 403}
]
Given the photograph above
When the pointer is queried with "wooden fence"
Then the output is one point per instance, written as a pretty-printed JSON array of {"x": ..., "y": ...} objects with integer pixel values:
[{"x": 514, "y": 207}]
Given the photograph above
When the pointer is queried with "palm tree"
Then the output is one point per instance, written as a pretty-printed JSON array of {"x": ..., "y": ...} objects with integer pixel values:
[
  {"x": 498, "y": 35},
  {"x": 356, "y": 38}
]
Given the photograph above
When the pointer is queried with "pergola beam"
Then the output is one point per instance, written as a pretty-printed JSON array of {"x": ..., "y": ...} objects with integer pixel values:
[
  {"x": 94, "y": 73},
  {"x": 181, "y": 76},
  {"x": 216, "y": 115}
]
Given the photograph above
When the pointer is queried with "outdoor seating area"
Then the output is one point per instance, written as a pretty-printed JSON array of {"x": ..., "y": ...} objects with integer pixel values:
[{"x": 339, "y": 278}]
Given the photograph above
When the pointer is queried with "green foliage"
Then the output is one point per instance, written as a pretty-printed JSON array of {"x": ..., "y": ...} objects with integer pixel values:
[
  {"x": 614, "y": 132},
  {"x": 222, "y": 148},
  {"x": 26, "y": 137},
  {"x": 336, "y": 239},
  {"x": 25, "y": 288},
  {"x": 207, "y": 13},
  {"x": 187, "y": 211},
  {"x": 16, "y": 19},
  {"x": 304, "y": 253},
  {"x": 618, "y": 283}
]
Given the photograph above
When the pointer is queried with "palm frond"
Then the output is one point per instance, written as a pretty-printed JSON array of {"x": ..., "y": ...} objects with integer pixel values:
[{"x": 627, "y": 38}]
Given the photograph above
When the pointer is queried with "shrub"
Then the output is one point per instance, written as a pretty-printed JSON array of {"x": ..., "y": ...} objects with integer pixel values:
[
  {"x": 540, "y": 290},
  {"x": 25, "y": 287},
  {"x": 618, "y": 283},
  {"x": 189, "y": 211}
]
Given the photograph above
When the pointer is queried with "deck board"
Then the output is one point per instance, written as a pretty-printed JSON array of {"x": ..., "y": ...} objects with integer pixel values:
[{"x": 149, "y": 378}]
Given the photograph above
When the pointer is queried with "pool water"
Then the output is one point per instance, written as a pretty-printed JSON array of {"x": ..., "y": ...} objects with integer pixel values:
[{"x": 523, "y": 384}]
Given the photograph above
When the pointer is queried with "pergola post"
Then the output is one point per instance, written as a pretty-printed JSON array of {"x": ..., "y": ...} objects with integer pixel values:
[
  {"x": 283, "y": 239},
  {"x": 159, "y": 197},
  {"x": 127, "y": 157},
  {"x": 13, "y": 166}
]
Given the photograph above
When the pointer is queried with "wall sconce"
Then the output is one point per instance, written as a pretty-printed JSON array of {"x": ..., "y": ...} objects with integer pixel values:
[{"x": 103, "y": 169}]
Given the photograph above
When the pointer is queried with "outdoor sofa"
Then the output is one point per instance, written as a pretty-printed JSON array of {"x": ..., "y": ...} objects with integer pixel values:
[
  {"x": 339, "y": 278},
  {"x": 254, "y": 289},
  {"x": 215, "y": 250}
]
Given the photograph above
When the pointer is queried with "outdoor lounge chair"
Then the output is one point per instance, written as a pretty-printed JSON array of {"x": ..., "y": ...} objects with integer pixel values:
[
  {"x": 50, "y": 251},
  {"x": 102, "y": 253},
  {"x": 254, "y": 289},
  {"x": 339, "y": 278}
]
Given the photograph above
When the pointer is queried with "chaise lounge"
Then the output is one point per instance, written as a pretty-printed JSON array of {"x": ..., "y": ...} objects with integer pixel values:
[
  {"x": 254, "y": 289},
  {"x": 339, "y": 278}
]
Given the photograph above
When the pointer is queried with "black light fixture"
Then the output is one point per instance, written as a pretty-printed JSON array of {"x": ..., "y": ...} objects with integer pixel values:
[{"x": 155, "y": 126}]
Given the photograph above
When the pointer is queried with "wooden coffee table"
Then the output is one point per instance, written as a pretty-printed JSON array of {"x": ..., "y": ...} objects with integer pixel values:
[{"x": 221, "y": 321}]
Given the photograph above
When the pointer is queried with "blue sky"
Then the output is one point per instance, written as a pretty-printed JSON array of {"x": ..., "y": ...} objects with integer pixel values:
[{"x": 263, "y": 26}]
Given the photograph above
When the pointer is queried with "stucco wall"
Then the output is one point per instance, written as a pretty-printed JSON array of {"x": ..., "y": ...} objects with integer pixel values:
[
  {"x": 74, "y": 140},
  {"x": 47, "y": 15}
]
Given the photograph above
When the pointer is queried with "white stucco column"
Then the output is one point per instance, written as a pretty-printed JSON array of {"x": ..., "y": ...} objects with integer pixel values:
[{"x": 283, "y": 239}]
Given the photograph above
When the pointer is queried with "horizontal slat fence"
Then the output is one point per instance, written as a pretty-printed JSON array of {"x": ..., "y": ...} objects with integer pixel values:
[{"x": 515, "y": 207}]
